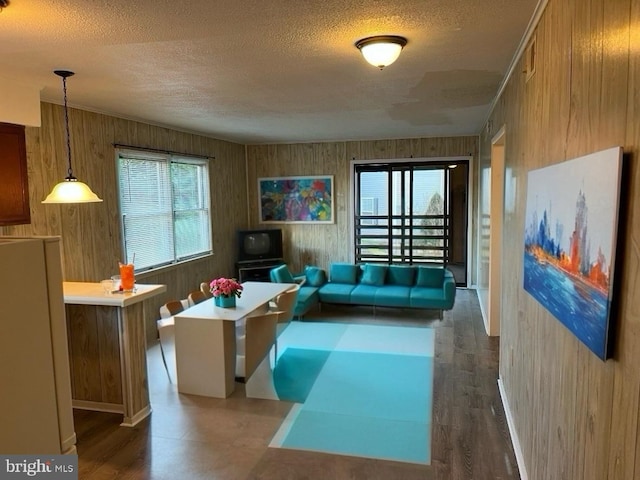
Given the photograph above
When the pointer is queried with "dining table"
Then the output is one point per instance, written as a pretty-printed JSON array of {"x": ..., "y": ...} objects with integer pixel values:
[{"x": 205, "y": 340}]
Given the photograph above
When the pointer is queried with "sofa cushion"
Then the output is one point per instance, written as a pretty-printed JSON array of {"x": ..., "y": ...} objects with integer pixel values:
[
  {"x": 401, "y": 275},
  {"x": 393, "y": 296},
  {"x": 425, "y": 297},
  {"x": 315, "y": 276},
  {"x": 363, "y": 294},
  {"x": 281, "y": 274},
  {"x": 343, "y": 273},
  {"x": 373, "y": 274},
  {"x": 428, "y": 276},
  {"x": 336, "y": 292}
]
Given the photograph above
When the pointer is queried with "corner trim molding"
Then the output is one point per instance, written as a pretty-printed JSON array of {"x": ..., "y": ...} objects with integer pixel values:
[
  {"x": 137, "y": 418},
  {"x": 512, "y": 431},
  {"x": 69, "y": 444},
  {"x": 522, "y": 46}
]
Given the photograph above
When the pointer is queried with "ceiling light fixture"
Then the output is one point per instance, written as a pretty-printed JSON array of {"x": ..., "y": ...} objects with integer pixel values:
[
  {"x": 70, "y": 190},
  {"x": 382, "y": 50}
]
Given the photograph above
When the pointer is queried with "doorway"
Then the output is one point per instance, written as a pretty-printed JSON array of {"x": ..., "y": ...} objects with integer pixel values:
[
  {"x": 412, "y": 213},
  {"x": 495, "y": 233}
]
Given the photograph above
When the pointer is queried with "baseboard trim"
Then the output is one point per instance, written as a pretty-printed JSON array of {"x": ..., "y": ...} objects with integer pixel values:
[
  {"x": 137, "y": 418},
  {"x": 485, "y": 320},
  {"x": 97, "y": 406},
  {"x": 512, "y": 431},
  {"x": 69, "y": 444}
]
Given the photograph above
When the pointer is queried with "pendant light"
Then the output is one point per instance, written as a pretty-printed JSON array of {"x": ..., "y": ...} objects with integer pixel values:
[
  {"x": 382, "y": 50},
  {"x": 70, "y": 190}
]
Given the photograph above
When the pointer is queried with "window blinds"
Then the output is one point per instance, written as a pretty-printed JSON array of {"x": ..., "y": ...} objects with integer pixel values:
[{"x": 164, "y": 207}]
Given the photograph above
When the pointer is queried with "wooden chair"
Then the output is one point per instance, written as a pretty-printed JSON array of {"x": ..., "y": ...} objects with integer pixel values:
[
  {"x": 206, "y": 289},
  {"x": 171, "y": 308},
  {"x": 256, "y": 343},
  {"x": 166, "y": 328},
  {"x": 284, "y": 304},
  {"x": 196, "y": 297}
]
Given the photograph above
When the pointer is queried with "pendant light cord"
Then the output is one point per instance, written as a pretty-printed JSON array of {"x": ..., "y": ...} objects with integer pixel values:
[
  {"x": 70, "y": 190},
  {"x": 66, "y": 124}
]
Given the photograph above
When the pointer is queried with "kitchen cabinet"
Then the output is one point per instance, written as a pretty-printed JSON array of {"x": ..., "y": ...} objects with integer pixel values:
[{"x": 14, "y": 193}]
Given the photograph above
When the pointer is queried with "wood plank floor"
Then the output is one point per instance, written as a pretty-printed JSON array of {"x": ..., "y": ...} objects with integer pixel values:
[{"x": 191, "y": 437}]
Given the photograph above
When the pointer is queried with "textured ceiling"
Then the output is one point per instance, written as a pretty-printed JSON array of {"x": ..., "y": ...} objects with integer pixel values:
[{"x": 269, "y": 71}]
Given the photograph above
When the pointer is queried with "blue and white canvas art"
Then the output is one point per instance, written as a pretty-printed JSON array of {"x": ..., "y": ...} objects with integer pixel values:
[{"x": 571, "y": 225}]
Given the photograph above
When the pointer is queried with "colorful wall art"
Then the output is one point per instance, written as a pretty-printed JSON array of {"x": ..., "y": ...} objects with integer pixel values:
[
  {"x": 570, "y": 241},
  {"x": 296, "y": 199}
]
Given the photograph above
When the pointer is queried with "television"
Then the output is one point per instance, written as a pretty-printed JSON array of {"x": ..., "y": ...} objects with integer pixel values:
[{"x": 256, "y": 245}]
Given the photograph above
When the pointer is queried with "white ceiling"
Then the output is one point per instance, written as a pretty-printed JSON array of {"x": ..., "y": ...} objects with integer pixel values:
[{"x": 269, "y": 71}]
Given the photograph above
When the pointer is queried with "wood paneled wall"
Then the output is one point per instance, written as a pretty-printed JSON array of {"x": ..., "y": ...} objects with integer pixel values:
[
  {"x": 91, "y": 236},
  {"x": 322, "y": 244},
  {"x": 576, "y": 417}
]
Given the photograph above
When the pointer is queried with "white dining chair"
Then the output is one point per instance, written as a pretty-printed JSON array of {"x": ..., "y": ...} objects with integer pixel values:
[
  {"x": 284, "y": 304},
  {"x": 195, "y": 297},
  {"x": 166, "y": 329},
  {"x": 256, "y": 343},
  {"x": 206, "y": 289}
]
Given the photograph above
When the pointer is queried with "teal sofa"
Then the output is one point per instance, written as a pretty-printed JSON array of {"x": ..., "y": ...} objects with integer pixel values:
[{"x": 402, "y": 286}]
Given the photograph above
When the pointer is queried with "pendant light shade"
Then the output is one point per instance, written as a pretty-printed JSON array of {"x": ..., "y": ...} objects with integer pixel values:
[
  {"x": 381, "y": 51},
  {"x": 70, "y": 190}
]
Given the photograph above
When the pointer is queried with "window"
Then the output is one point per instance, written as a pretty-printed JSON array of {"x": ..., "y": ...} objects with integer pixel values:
[
  {"x": 164, "y": 207},
  {"x": 368, "y": 208},
  {"x": 406, "y": 211}
]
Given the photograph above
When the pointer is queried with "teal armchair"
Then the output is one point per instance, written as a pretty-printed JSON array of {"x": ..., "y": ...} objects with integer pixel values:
[{"x": 308, "y": 293}]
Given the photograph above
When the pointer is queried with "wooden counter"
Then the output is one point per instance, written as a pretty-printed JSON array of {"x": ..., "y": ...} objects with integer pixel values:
[{"x": 107, "y": 349}]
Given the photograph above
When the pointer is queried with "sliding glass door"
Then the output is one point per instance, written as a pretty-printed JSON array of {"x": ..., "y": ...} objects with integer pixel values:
[{"x": 412, "y": 213}]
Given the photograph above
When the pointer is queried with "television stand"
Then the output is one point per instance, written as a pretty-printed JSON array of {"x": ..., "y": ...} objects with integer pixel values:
[{"x": 257, "y": 270}]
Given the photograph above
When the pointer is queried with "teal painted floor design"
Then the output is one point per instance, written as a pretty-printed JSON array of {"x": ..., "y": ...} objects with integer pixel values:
[
  {"x": 296, "y": 372},
  {"x": 360, "y": 390}
]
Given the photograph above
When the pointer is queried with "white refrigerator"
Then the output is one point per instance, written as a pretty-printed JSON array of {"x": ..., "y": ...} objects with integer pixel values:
[{"x": 36, "y": 416}]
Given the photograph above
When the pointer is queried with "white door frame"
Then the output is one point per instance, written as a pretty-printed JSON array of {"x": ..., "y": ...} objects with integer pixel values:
[{"x": 492, "y": 322}]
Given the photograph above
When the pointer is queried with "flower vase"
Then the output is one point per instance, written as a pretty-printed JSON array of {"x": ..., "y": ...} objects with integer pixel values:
[{"x": 225, "y": 302}]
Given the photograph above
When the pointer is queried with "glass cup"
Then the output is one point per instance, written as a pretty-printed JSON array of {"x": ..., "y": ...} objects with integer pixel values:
[
  {"x": 127, "y": 278},
  {"x": 116, "y": 282},
  {"x": 107, "y": 286}
]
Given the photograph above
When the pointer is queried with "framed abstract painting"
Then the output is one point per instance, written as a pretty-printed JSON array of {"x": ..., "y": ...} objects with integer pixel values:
[
  {"x": 296, "y": 199},
  {"x": 571, "y": 225}
]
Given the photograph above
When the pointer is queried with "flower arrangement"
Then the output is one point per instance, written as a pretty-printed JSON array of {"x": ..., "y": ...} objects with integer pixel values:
[{"x": 225, "y": 287}]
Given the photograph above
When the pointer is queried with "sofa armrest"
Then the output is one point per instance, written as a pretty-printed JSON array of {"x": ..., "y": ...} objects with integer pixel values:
[
  {"x": 314, "y": 276},
  {"x": 449, "y": 286},
  {"x": 281, "y": 274}
]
